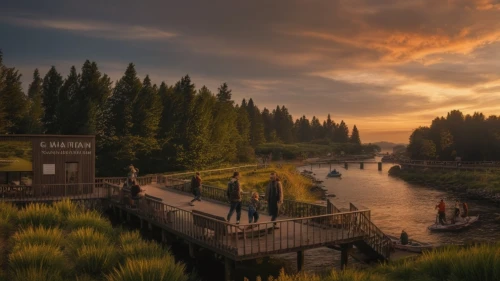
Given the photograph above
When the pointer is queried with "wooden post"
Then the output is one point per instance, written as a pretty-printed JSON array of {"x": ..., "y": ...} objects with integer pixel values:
[
  {"x": 344, "y": 255},
  {"x": 300, "y": 260},
  {"x": 228, "y": 267},
  {"x": 380, "y": 166},
  {"x": 330, "y": 167},
  {"x": 192, "y": 250},
  {"x": 346, "y": 165},
  {"x": 361, "y": 165}
]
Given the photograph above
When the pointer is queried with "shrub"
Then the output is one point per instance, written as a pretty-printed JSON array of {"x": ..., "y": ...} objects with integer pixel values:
[
  {"x": 90, "y": 219},
  {"x": 6, "y": 227},
  {"x": 38, "y": 214},
  {"x": 8, "y": 211},
  {"x": 130, "y": 237},
  {"x": 36, "y": 274},
  {"x": 43, "y": 257},
  {"x": 143, "y": 250},
  {"x": 38, "y": 236},
  {"x": 95, "y": 260},
  {"x": 156, "y": 269},
  {"x": 66, "y": 207},
  {"x": 85, "y": 237}
]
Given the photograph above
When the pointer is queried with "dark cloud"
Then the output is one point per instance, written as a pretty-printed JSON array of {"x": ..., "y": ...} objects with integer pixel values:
[{"x": 355, "y": 58}]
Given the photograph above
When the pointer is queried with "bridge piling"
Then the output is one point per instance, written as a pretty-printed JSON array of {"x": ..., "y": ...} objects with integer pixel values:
[
  {"x": 380, "y": 166},
  {"x": 346, "y": 165},
  {"x": 228, "y": 269},
  {"x": 300, "y": 260},
  {"x": 344, "y": 255},
  {"x": 330, "y": 167},
  {"x": 361, "y": 165}
]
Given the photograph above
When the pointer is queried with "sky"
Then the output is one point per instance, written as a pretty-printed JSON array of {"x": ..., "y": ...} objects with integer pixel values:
[{"x": 385, "y": 66}]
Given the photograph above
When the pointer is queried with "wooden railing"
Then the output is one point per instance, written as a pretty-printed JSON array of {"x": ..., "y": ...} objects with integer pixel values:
[
  {"x": 43, "y": 192},
  {"x": 289, "y": 208},
  {"x": 263, "y": 239},
  {"x": 145, "y": 180},
  {"x": 375, "y": 238},
  {"x": 215, "y": 171}
]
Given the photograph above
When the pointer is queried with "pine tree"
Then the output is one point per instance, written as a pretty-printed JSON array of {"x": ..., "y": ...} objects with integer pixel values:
[
  {"x": 3, "y": 113},
  {"x": 167, "y": 112},
  {"x": 147, "y": 111},
  {"x": 329, "y": 128},
  {"x": 122, "y": 101},
  {"x": 52, "y": 83},
  {"x": 64, "y": 111},
  {"x": 12, "y": 95},
  {"x": 342, "y": 133},
  {"x": 355, "y": 136},
  {"x": 224, "y": 94},
  {"x": 256, "y": 124},
  {"x": 303, "y": 129},
  {"x": 317, "y": 130},
  {"x": 34, "y": 120}
]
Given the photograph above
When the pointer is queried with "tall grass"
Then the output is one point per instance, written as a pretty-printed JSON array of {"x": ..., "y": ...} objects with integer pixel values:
[
  {"x": 66, "y": 207},
  {"x": 36, "y": 274},
  {"x": 296, "y": 187},
  {"x": 46, "y": 257},
  {"x": 38, "y": 236},
  {"x": 143, "y": 250},
  {"x": 91, "y": 219},
  {"x": 38, "y": 214},
  {"x": 156, "y": 269},
  {"x": 6, "y": 227},
  {"x": 85, "y": 236},
  {"x": 130, "y": 237},
  {"x": 8, "y": 211},
  {"x": 96, "y": 260}
]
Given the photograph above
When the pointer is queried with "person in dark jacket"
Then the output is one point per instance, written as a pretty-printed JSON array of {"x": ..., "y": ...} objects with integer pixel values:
[
  {"x": 404, "y": 238},
  {"x": 234, "y": 197},
  {"x": 274, "y": 196},
  {"x": 196, "y": 188}
]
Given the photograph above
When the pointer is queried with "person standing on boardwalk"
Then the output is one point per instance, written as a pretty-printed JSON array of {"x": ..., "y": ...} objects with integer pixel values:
[
  {"x": 253, "y": 208},
  {"x": 274, "y": 196},
  {"x": 234, "y": 196},
  {"x": 196, "y": 188}
]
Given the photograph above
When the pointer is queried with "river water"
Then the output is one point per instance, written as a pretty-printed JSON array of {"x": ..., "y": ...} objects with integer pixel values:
[{"x": 395, "y": 205}]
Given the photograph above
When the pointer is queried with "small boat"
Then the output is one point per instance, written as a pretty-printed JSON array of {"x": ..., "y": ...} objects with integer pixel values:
[
  {"x": 334, "y": 174},
  {"x": 412, "y": 246},
  {"x": 459, "y": 225}
]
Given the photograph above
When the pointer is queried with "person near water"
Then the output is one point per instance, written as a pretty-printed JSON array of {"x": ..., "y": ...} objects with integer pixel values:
[
  {"x": 404, "y": 238},
  {"x": 441, "y": 212},
  {"x": 457, "y": 209},
  {"x": 234, "y": 196},
  {"x": 274, "y": 196},
  {"x": 253, "y": 208},
  {"x": 466, "y": 210},
  {"x": 196, "y": 188}
]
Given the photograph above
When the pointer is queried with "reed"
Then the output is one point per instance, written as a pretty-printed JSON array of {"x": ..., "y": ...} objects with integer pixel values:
[
  {"x": 35, "y": 274},
  {"x": 38, "y": 236},
  {"x": 153, "y": 269},
  {"x": 85, "y": 236},
  {"x": 38, "y": 214},
  {"x": 91, "y": 219},
  {"x": 42, "y": 257},
  {"x": 8, "y": 211},
  {"x": 96, "y": 260},
  {"x": 143, "y": 250},
  {"x": 66, "y": 207}
]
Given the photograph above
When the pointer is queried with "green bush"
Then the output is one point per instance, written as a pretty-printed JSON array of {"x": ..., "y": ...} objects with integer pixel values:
[
  {"x": 143, "y": 250},
  {"x": 6, "y": 227},
  {"x": 43, "y": 257},
  {"x": 130, "y": 237},
  {"x": 38, "y": 214},
  {"x": 96, "y": 260},
  {"x": 36, "y": 274},
  {"x": 38, "y": 236},
  {"x": 66, "y": 207},
  {"x": 90, "y": 219},
  {"x": 85, "y": 237},
  {"x": 156, "y": 269}
]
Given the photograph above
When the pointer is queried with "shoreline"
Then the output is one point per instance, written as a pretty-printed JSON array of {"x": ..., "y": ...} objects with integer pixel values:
[{"x": 434, "y": 180}]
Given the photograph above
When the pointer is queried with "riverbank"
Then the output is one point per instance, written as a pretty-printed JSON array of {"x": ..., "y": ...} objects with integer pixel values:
[
  {"x": 477, "y": 262},
  {"x": 484, "y": 185}
]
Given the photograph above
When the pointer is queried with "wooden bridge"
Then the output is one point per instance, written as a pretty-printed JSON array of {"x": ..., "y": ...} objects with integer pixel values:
[{"x": 165, "y": 208}]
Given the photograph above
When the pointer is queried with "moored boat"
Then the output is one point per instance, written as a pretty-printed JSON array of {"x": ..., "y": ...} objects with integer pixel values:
[
  {"x": 458, "y": 225},
  {"x": 334, "y": 174},
  {"x": 412, "y": 246}
]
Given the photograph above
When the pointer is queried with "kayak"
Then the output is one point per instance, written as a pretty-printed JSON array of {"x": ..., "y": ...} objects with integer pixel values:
[
  {"x": 412, "y": 246},
  {"x": 459, "y": 225}
]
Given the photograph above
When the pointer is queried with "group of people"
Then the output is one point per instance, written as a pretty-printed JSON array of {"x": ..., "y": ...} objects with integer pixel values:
[
  {"x": 442, "y": 211},
  {"x": 274, "y": 197}
]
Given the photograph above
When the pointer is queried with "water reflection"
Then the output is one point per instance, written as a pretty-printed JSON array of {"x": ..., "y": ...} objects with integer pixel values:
[{"x": 396, "y": 205}]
